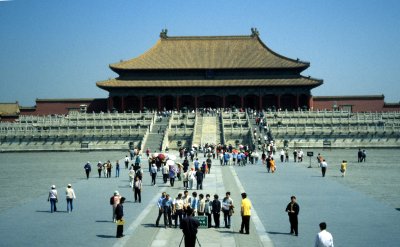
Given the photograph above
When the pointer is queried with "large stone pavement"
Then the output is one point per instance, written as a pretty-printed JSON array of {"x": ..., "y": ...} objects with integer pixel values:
[{"x": 353, "y": 218}]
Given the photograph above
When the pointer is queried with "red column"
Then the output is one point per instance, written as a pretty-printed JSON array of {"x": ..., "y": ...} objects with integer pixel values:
[
  {"x": 259, "y": 102},
  {"x": 278, "y": 101},
  {"x": 140, "y": 103},
  {"x": 195, "y": 102},
  {"x": 297, "y": 101},
  {"x": 310, "y": 102},
  {"x": 241, "y": 102},
  {"x": 110, "y": 103},
  {"x": 122, "y": 103},
  {"x": 177, "y": 102},
  {"x": 159, "y": 103}
]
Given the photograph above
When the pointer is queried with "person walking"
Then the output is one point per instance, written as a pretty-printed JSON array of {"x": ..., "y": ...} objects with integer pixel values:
[
  {"x": 185, "y": 180},
  {"x": 53, "y": 199},
  {"x": 131, "y": 175},
  {"x": 192, "y": 176},
  {"x": 109, "y": 168},
  {"x": 160, "y": 207},
  {"x": 189, "y": 227},
  {"x": 137, "y": 188},
  {"x": 99, "y": 168},
  {"x": 293, "y": 210},
  {"x": 343, "y": 168},
  {"x": 126, "y": 162},
  {"x": 209, "y": 163},
  {"x": 119, "y": 214},
  {"x": 324, "y": 238},
  {"x": 323, "y": 166},
  {"x": 216, "y": 209},
  {"x": 117, "y": 169},
  {"x": 246, "y": 213},
  {"x": 70, "y": 196},
  {"x": 153, "y": 173},
  {"x": 227, "y": 206},
  {"x": 88, "y": 169},
  {"x": 199, "y": 178}
]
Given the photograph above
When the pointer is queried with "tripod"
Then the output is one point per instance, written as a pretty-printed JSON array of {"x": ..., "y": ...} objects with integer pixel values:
[{"x": 184, "y": 236}]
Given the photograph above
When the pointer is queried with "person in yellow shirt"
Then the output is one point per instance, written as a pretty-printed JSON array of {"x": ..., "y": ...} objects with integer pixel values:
[
  {"x": 343, "y": 168},
  {"x": 245, "y": 212}
]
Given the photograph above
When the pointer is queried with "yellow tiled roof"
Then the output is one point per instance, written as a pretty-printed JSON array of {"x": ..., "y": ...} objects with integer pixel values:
[
  {"x": 9, "y": 109},
  {"x": 209, "y": 52},
  {"x": 301, "y": 81}
]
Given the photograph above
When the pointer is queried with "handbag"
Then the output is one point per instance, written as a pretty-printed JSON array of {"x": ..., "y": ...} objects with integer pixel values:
[{"x": 120, "y": 222}]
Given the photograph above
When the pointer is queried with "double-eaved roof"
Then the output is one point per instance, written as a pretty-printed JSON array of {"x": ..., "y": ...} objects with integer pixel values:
[{"x": 208, "y": 53}]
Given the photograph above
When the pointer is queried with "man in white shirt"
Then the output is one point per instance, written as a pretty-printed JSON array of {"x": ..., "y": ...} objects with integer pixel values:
[
  {"x": 324, "y": 238},
  {"x": 323, "y": 165}
]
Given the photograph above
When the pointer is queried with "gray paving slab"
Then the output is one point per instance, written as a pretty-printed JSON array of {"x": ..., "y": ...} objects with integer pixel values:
[{"x": 354, "y": 218}]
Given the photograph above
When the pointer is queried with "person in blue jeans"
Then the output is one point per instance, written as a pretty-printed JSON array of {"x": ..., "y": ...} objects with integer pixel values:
[
  {"x": 70, "y": 196},
  {"x": 117, "y": 169},
  {"x": 53, "y": 198}
]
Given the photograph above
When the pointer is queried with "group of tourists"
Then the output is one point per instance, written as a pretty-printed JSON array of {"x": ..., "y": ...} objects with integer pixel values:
[{"x": 103, "y": 168}]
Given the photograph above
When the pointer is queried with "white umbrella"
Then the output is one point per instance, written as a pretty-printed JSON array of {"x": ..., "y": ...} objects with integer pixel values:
[{"x": 170, "y": 162}]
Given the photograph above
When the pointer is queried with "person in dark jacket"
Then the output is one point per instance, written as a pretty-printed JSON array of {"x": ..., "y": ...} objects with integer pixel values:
[
  {"x": 119, "y": 214},
  {"x": 189, "y": 227},
  {"x": 216, "y": 209},
  {"x": 293, "y": 210},
  {"x": 88, "y": 169}
]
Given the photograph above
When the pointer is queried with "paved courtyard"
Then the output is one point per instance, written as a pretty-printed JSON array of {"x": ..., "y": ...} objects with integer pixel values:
[{"x": 353, "y": 218}]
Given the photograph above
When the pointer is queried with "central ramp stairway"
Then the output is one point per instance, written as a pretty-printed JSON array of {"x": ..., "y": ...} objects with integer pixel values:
[
  {"x": 156, "y": 135},
  {"x": 209, "y": 130}
]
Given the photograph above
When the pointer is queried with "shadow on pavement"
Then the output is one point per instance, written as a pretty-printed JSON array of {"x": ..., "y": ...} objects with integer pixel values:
[
  {"x": 398, "y": 209},
  {"x": 42, "y": 211},
  {"x": 150, "y": 225},
  {"x": 279, "y": 233},
  {"x": 105, "y": 236},
  {"x": 103, "y": 221}
]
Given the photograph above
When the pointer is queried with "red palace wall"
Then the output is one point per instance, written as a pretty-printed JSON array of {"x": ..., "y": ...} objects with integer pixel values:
[
  {"x": 61, "y": 107},
  {"x": 357, "y": 104}
]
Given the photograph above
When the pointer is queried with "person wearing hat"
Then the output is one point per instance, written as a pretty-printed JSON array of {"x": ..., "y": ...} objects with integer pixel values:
[
  {"x": 245, "y": 212},
  {"x": 88, "y": 169},
  {"x": 114, "y": 201},
  {"x": 70, "y": 194},
  {"x": 119, "y": 214},
  {"x": 53, "y": 199}
]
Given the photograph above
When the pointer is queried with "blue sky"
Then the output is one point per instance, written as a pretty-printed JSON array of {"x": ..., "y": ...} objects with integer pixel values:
[{"x": 60, "y": 48}]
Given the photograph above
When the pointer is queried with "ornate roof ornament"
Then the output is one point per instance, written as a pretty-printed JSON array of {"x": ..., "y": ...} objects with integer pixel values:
[
  {"x": 254, "y": 32},
  {"x": 164, "y": 33}
]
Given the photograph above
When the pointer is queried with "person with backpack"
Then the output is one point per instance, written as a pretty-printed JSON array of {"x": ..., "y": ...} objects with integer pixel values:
[{"x": 114, "y": 201}]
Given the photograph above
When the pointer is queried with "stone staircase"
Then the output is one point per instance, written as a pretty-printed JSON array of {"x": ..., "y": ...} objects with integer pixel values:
[
  {"x": 198, "y": 130},
  {"x": 156, "y": 135},
  {"x": 209, "y": 130}
]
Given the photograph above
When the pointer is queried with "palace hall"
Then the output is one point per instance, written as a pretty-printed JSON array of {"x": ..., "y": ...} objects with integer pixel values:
[{"x": 186, "y": 72}]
